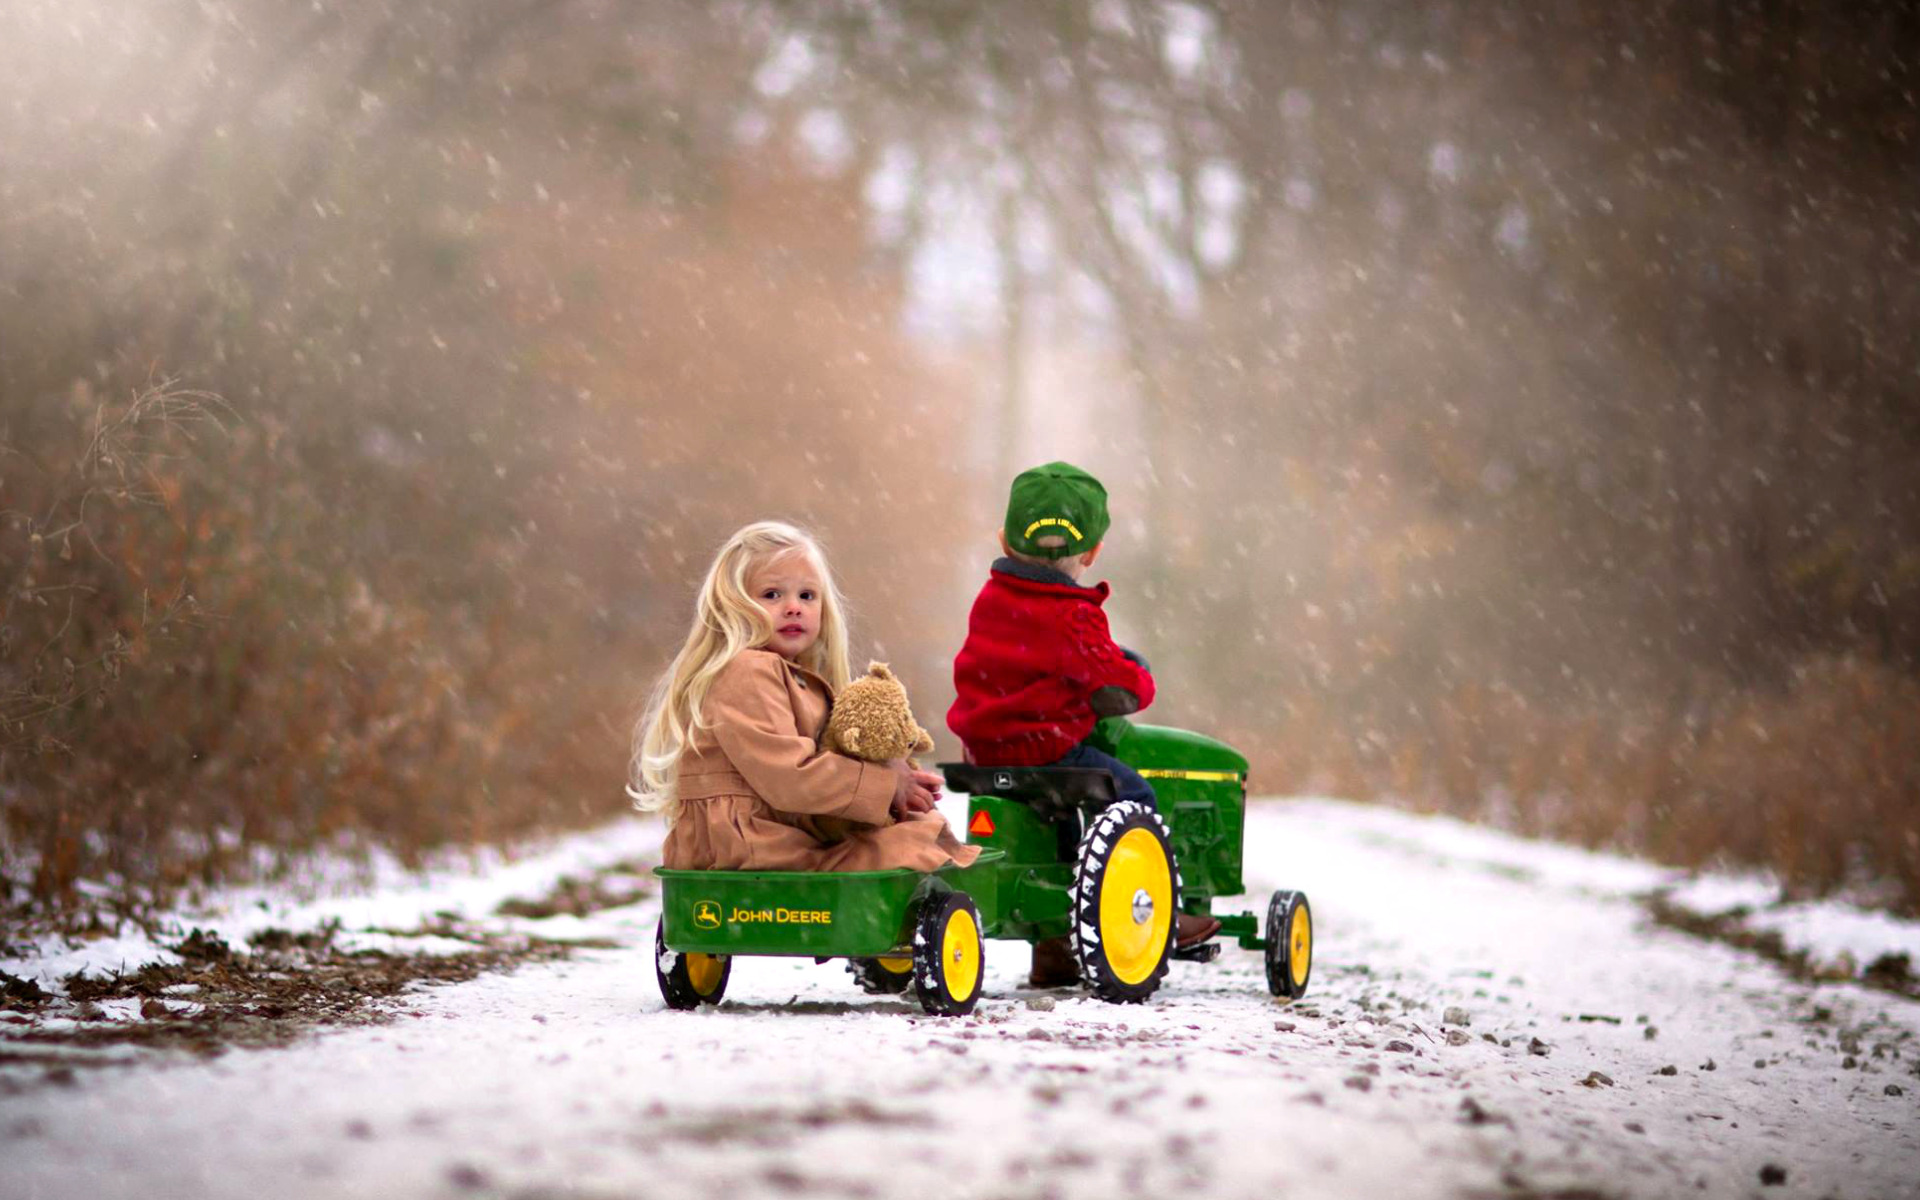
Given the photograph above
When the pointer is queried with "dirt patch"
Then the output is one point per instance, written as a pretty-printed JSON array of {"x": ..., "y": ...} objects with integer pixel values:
[
  {"x": 19, "y": 994},
  {"x": 774, "y": 1126},
  {"x": 616, "y": 886},
  {"x": 1515, "y": 1188},
  {"x": 280, "y": 986},
  {"x": 1888, "y": 973}
]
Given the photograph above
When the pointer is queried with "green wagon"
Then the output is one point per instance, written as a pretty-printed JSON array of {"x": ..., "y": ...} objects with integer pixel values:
[{"x": 1060, "y": 857}]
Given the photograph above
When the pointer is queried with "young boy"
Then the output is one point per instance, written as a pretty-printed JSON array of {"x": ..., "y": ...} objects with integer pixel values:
[{"x": 1039, "y": 666}]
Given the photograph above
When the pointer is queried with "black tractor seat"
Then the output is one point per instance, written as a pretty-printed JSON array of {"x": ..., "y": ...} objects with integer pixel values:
[{"x": 1052, "y": 792}]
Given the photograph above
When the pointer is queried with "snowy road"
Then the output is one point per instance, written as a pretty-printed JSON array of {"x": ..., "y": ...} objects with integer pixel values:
[{"x": 570, "y": 1079}]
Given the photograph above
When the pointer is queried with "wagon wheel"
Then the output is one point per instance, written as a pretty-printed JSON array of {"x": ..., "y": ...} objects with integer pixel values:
[
  {"x": 888, "y": 975},
  {"x": 947, "y": 954},
  {"x": 688, "y": 980},
  {"x": 1289, "y": 944},
  {"x": 1126, "y": 889}
]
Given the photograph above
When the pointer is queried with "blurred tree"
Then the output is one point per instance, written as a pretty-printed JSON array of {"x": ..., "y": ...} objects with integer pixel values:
[
  {"x": 1503, "y": 402},
  {"x": 514, "y": 322}
]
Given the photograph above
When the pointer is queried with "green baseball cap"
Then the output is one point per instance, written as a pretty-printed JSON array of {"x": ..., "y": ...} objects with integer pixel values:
[{"x": 1056, "y": 500}]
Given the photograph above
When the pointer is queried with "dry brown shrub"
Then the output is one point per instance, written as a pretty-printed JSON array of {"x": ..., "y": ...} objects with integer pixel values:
[
  {"x": 1821, "y": 783},
  {"x": 1817, "y": 782},
  {"x": 365, "y": 615}
]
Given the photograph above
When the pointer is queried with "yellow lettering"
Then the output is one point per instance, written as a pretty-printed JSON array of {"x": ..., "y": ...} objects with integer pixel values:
[
  {"x": 782, "y": 916},
  {"x": 1043, "y": 522}
]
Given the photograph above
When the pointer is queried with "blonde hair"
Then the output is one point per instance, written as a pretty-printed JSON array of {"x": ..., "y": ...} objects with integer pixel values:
[{"x": 726, "y": 621}]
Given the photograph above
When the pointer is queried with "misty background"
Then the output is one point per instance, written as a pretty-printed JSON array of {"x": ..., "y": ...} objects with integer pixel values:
[{"x": 1507, "y": 409}]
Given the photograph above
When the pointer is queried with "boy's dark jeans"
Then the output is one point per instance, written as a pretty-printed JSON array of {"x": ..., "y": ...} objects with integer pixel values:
[{"x": 1127, "y": 783}]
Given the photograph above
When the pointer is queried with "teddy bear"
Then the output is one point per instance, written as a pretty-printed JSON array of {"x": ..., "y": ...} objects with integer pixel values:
[{"x": 872, "y": 720}]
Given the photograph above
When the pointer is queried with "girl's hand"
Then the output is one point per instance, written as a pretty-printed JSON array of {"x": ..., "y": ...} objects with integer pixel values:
[{"x": 913, "y": 791}]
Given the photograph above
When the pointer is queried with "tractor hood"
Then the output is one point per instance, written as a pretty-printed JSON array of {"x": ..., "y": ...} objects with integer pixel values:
[{"x": 1160, "y": 748}]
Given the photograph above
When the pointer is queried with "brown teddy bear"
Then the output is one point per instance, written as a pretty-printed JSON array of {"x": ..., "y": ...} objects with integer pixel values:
[{"x": 872, "y": 720}]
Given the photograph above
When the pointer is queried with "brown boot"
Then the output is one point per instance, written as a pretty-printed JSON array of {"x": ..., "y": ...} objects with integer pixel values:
[
  {"x": 1053, "y": 964},
  {"x": 1191, "y": 930}
]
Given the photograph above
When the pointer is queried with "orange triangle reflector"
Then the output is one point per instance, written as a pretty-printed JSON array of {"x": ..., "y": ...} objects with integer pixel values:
[{"x": 981, "y": 825}]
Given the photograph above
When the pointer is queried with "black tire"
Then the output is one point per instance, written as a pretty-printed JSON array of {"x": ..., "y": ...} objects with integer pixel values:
[
  {"x": 1289, "y": 944},
  {"x": 1120, "y": 962},
  {"x": 688, "y": 980},
  {"x": 876, "y": 978},
  {"x": 949, "y": 955}
]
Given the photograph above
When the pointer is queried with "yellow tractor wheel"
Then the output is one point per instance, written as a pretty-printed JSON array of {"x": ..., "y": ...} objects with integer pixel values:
[
  {"x": 888, "y": 975},
  {"x": 1126, "y": 890},
  {"x": 688, "y": 980},
  {"x": 1289, "y": 944},
  {"x": 948, "y": 954}
]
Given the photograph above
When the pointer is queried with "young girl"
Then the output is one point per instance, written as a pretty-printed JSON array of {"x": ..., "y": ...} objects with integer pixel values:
[{"x": 729, "y": 749}]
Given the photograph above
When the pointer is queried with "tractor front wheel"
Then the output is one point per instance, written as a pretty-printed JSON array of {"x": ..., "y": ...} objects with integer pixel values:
[{"x": 1289, "y": 944}]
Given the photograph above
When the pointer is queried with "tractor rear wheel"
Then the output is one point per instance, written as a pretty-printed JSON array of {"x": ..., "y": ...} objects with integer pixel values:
[{"x": 1126, "y": 890}]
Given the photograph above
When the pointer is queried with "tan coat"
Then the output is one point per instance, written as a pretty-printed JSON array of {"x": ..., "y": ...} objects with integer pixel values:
[{"x": 758, "y": 794}]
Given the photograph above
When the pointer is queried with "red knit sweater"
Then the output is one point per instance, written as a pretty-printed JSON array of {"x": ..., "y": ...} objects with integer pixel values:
[{"x": 1036, "y": 650}]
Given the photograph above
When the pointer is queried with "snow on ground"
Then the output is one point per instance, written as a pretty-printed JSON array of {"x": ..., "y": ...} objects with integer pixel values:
[
  {"x": 375, "y": 903},
  {"x": 1824, "y": 930},
  {"x": 572, "y": 1079}
]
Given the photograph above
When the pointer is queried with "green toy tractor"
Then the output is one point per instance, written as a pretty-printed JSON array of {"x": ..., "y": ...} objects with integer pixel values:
[{"x": 1060, "y": 857}]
